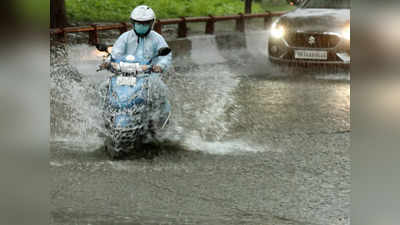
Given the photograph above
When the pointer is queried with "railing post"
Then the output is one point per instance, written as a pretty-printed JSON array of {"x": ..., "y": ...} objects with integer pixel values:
[
  {"x": 210, "y": 25},
  {"x": 267, "y": 20},
  {"x": 124, "y": 28},
  {"x": 62, "y": 37},
  {"x": 93, "y": 36},
  {"x": 240, "y": 23},
  {"x": 182, "y": 28},
  {"x": 158, "y": 27}
]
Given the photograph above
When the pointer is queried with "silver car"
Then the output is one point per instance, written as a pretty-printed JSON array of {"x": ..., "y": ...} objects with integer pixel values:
[{"x": 318, "y": 32}]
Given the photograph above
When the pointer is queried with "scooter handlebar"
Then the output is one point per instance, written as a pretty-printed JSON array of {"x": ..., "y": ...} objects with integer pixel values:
[{"x": 123, "y": 67}]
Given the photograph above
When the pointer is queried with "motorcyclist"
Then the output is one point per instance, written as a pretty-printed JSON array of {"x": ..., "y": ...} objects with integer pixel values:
[{"x": 142, "y": 42}]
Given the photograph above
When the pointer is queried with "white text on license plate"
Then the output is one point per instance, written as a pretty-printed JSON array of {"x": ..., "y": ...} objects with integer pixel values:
[
  {"x": 307, "y": 54},
  {"x": 130, "y": 81}
]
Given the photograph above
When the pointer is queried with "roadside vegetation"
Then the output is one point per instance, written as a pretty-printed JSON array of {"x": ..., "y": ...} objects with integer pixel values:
[
  {"x": 275, "y": 5},
  {"x": 119, "y": 10}
]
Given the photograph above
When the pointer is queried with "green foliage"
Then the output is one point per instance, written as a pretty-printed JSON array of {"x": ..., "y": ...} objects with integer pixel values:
[
  {"x": 35, "y": 12},
  {"x": 119, "y": 10},
  {"x": 276, "y": 5}
]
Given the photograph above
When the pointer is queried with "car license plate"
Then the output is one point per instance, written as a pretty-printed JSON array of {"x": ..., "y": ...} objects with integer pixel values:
[
  {"x": 129, "y": 81},
  {"x": 307, "y": 54}
]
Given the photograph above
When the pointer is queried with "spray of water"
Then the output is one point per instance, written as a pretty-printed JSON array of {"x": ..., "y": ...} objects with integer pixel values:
[
  {"x": 200, "y": 94},
  {"x": 75, "y": 115}
]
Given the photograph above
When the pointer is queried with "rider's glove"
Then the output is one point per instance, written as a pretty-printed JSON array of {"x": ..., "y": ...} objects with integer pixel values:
[
  {"x": 108, "y": 59},
  {"x": 157, "y": 69},
  {"x": 143, "y": 68},
  {"x": 115, "y": 66}
]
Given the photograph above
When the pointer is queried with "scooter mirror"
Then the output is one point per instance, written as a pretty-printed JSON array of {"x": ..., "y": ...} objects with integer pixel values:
[
  {"x": 102, "y": 48},
  {"x": 164, "y": 51}
]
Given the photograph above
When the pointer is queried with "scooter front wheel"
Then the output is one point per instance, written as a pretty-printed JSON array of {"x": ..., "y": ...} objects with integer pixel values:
[{"x": 110, "y": 150}]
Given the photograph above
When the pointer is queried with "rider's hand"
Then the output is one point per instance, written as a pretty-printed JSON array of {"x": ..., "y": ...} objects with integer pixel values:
[
  {"x": 115, "y": 66},
  {"x": 157, "y": 69},
  {"x": 145, "y": 67},
  {"x": 103, "y": 66}
]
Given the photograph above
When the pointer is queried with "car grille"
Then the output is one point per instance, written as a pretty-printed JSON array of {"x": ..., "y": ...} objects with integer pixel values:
[{"x": 312, "y": 40}]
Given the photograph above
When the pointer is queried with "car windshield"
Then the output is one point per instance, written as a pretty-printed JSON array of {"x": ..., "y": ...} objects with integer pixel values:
[{"x": 327, "y": 4}]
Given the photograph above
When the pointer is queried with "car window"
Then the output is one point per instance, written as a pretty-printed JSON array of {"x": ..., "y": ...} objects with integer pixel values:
[{"x": 327, "y": 4}]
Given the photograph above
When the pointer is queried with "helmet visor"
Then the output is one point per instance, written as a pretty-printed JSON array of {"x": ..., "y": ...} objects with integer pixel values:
[
  {"x": 142, "y": 27},
  {"x": 148, "y": 22}
]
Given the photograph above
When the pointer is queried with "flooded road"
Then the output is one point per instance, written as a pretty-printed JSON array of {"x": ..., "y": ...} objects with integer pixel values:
[{"x": 249, "y": 143}]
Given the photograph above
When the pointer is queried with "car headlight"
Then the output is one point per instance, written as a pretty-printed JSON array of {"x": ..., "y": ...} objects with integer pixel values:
[
  {"x": 346, "y": 32},
  {"x": 277, "y": 31}
]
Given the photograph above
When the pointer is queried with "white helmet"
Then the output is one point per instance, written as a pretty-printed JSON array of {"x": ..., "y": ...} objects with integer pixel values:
[{"x": 143, "y": 13}]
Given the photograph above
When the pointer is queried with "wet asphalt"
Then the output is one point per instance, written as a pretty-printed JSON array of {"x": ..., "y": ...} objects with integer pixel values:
[{"x": 253, "y": 143}]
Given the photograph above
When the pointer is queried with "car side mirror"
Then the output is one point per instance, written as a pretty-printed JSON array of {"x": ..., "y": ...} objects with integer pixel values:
[
  {"x": 163, "y": 51},
  {"x": 102, "y": 48}
]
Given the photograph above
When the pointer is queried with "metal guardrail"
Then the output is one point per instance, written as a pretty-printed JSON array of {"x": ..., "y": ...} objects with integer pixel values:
[{"x": 61, "y": 33}]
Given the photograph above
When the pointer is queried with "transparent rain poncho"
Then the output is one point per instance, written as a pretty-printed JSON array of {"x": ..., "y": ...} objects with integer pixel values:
[{"x": 143, "y": 48}]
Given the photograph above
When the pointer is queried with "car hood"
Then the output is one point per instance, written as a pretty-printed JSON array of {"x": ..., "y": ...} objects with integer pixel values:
[{"x": 316, "y": 20}]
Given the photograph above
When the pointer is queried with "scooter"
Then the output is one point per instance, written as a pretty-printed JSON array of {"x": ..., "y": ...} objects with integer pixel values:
[{"x": 135, "y": 104}]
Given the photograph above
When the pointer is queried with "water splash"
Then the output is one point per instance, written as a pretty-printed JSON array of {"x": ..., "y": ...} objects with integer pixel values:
[
  {"x": 75, "y": 112},
  {"x": 200, "y": 95}
]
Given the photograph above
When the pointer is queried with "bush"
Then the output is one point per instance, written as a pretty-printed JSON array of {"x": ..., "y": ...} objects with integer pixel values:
[
  {"x": 276, "y": 5},
  {"x": 119, "y": 10}
]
